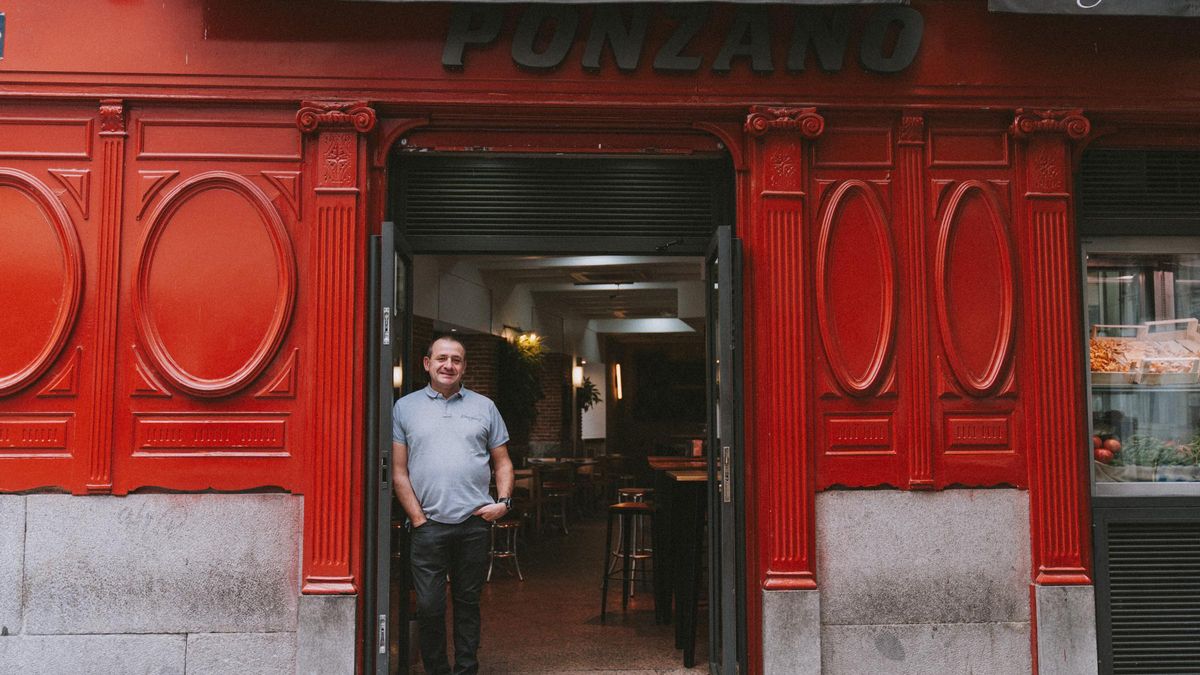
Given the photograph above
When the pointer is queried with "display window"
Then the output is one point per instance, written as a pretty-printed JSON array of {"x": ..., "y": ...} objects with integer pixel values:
[{"x": 1143, "y": 322}]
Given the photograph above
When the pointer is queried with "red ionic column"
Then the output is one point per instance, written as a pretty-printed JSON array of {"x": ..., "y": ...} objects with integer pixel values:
[
  {"x": 777, "y": 365},
  {"x": 335, "y": 157},
  {"x": 112, "y": 179},
  {"x": 1058, "y": 475}
]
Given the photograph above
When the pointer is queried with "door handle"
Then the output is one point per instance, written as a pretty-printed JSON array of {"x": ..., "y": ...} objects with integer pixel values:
[{"x": 726, "y": 492}]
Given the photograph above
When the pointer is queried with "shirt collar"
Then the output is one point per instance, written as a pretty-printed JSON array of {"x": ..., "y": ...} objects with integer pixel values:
[{"x": 435, "y": 394}]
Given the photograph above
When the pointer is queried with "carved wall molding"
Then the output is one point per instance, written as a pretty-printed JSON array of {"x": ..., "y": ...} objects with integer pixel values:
[
  {"x": 158, "y": 351},
  {"x": 26, "y": 368},
  {"x": 65, "y": 382},
  {"x": 912, "y": 129},
  {"x": 910, "y": 226},
  {"x": 777, "y": 360},
  {"x": 336, "y": 155},
  {"x": 112, "y": 117},
  {"x": 329, "y": 115},
  {"x": 976, "y": 381},
  {"x": 78, "y": 184},
  {"x": 1072, "y": 123},
  {"x": 108, "y": 270},
  {"x": 1057, "y": 428},
  {"x": 806, "y": 121},
  {"x": 878, "y": 248}
]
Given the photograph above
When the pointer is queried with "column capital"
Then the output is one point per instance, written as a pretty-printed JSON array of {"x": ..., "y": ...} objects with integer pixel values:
[
  {"x": 112, "y": 117},
  {"x": 912, "y": 128},
  {"x": 1027, "y": 123},
  {"x": 762, "y": 119},
  {"x": 335, "y": 116}
]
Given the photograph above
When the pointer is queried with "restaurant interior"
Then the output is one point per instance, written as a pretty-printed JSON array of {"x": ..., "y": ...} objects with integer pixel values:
[{"x": 598, "y": 365}]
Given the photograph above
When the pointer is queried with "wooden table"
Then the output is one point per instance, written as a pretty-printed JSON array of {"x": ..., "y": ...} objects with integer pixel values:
[{"x": 681, "y": 495}]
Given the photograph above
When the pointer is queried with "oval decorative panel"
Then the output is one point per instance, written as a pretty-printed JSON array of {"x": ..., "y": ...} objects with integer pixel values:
[
  {"x": 856, "y": 287},
  {"x": 215, "y": 284},
  {"x": 41, "y": 274},
  {"x": 975, "y": 287}
]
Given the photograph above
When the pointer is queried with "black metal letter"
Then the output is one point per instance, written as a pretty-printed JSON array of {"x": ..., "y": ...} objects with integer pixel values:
[
  {"x": 565, "y": 19},
  {"x": 752, "y": 20},
  {"x": 828, "y": 32},
  {"x": 461, "y": 32},
  {"x": 608, "y": 25},
  {"x": 908, "y": 40},
  {"x": 690, "y": 19}
]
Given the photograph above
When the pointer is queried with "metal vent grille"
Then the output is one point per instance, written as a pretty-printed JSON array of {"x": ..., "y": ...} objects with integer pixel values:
[
  {"x": 459, "y": 203},
  {"x": 1154, "y": 596},
  {"x": 1152, "y": 191}
]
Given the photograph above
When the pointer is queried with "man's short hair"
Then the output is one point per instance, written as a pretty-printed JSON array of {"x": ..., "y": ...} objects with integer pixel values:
[{"x": 444, "y": 336}]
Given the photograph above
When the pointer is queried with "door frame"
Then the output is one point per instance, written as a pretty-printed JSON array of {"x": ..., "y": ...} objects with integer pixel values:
[{"x": 565, "y": 143}]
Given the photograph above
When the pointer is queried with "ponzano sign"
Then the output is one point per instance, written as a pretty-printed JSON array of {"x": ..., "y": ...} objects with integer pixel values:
[{"x": 545, "y": 34}]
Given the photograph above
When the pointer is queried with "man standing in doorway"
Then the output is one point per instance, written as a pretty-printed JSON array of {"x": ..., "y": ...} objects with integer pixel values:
[{"x": 446, "y": 443}]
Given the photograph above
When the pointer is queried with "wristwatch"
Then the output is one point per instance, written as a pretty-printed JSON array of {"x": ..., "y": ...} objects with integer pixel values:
[{"x": 506, "y": 501}]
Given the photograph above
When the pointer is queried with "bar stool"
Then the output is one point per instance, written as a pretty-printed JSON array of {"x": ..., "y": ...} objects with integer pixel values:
[
  {"x": 556, "y": 490},
  {"x": 627, "y": 514},
  {"x": 643, "y": 552},
  {"x": 504, "y": 545}
]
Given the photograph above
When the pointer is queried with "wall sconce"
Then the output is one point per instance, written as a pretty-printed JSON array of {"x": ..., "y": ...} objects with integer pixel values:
[
  {"x": 397, "y": 376},
  {"x": 577, "y": 374},
  {"x": 617, "y": 380}
]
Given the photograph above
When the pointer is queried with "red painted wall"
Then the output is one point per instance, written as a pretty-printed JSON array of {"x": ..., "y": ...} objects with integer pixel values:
[{"x": 186, "y": 275}]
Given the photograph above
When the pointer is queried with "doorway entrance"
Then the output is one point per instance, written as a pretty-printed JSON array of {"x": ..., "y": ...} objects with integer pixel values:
[{"x": 579, "y": 235}]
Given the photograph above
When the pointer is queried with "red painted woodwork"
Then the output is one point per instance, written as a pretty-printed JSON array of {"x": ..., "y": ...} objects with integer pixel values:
[
  {"x": 777, "y": 264},
  {"x": 857, "y": 298},
  {"x": 112, "y": 176},
  {"x": 856, "y": 287},
  {"x": 213, "y": 237},
  {"x": 209, "y": 293},
  {"x": 49, "y": 298},
  {"x": 331, "y": 512},
  {"x": 973, "y": 287},
  {"x": 42, "y": 274},
  {"x": 978, "y": 383},
  {"x": 917, "y": 435},
  {"x": 1059, "y": 501}
]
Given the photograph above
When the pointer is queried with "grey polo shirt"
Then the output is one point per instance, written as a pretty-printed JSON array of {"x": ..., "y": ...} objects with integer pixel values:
[{"x": 449, "y": 443}]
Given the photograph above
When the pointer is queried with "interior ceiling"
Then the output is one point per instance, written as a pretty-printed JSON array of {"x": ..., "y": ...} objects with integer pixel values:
[{"x": 599, "y": 287}]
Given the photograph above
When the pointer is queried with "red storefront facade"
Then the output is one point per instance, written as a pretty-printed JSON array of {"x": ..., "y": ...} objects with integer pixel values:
[{"x": 199, "y": 182}]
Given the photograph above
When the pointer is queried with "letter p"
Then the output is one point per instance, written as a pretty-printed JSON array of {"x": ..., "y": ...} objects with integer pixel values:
[{"x": 470, "y": 25}]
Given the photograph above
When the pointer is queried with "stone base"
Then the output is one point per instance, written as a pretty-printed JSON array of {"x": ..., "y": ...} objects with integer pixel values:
[
  {"x": 791, "y": 632},
  {"x": 1066, "y": 630},
  {"x": 923, "y": 582},
  {"x": 325, "y": 636},
  {"x": 156, "y": 583},
  {"x": 993, "y": 648}
]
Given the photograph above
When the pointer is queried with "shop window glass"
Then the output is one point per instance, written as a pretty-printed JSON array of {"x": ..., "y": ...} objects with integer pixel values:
[{"x": 1143, "y": 323}]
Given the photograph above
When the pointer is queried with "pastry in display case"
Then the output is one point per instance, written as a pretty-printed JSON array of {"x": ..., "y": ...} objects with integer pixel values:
[{"x": 1143, "y": 322}]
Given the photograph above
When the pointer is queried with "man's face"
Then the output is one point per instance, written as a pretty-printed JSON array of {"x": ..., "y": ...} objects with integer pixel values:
[{"x": 446, "y": 364}]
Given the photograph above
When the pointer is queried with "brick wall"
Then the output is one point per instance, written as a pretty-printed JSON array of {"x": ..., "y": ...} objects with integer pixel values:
[{"x": 550, "y": 429}]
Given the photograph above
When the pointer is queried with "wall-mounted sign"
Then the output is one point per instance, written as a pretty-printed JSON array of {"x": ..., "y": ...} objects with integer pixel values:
[
  {"x": 1137, "y": 7},
  {"x": 545, "y": 34}
]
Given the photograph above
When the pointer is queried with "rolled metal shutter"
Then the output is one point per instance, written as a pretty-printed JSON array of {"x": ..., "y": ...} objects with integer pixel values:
[
  {"x": 1149, "y": 590},
  {"x": 1131, "y": 192},
  {"x": 467, "y": 203}
]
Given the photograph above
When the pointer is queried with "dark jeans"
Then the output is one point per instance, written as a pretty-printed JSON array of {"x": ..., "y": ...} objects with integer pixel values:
[{"x": 462, "y": 552}]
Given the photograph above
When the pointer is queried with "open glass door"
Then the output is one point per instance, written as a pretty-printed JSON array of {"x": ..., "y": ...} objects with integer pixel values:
[
  {"x": 389, "y": 348},
  {"x": 726, "y": 539}
]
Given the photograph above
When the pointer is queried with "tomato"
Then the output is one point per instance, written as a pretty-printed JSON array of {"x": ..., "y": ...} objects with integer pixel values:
[
  {"x": 1097, "y": 442},
  {"x": 1103, "y": 455},
  {"x": 1112, "y": 445}
]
